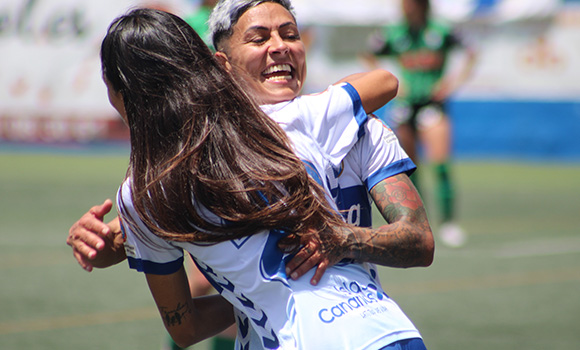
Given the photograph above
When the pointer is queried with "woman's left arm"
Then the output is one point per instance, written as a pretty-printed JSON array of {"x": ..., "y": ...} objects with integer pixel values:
[
  {"x": 188, "y": 320},
  {"x": 375, "y": 88}
]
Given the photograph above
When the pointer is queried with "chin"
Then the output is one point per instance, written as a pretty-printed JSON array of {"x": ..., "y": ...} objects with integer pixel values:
[{"x": 283, "y": 95}]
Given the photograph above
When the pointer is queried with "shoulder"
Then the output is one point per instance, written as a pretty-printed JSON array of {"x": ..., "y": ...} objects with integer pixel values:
[
  {"x": 441, "y": 29},
  {"x": 394, "y": 31},
  {"x": 440, "y": 25}
]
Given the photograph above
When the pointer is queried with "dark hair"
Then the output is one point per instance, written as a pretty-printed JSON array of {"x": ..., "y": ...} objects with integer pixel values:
[
  {"x": 198, "y": 141},
  {"x": 226, "y": 14},
  {"x": 424, "y": 4}
]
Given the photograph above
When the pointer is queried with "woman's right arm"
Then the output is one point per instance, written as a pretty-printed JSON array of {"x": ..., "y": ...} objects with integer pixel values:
[{"x": 188, "y": 320}]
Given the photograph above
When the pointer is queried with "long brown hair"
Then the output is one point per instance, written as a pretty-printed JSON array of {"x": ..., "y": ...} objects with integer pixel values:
[{"x": 198, "y": 141}]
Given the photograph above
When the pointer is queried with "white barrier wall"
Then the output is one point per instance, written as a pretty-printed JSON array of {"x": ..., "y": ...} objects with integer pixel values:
[{"x": 50, "y": 80}]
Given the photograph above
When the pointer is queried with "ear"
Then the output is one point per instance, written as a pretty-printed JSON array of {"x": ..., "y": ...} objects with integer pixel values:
[{"x": 222, "y": 59}]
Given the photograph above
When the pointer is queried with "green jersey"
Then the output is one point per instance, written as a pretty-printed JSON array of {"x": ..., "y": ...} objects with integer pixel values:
[
  {"x": 421, "y": 54},
  {"x": 198, "y": 21}
]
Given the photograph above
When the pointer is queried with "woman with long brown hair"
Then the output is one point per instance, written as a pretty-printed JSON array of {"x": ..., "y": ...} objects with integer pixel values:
[{"x": 212, "y": 175}]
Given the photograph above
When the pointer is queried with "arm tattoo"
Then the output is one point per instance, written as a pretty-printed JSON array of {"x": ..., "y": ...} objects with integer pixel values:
[
  {"x": 396, "y": 197},
  {"x": 401, "y": 243},
  {"x": 176, "y": 316}
]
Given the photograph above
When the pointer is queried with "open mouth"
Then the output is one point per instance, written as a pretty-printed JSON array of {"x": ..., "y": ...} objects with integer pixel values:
[{"x": 278, "y": 72}]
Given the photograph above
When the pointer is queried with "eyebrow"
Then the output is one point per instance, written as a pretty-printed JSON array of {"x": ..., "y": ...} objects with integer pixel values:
[{"x": 260, "y": 27}]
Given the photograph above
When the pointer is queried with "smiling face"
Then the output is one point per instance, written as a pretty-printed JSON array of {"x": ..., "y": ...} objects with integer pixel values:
[{"x": 266, "y": 52}]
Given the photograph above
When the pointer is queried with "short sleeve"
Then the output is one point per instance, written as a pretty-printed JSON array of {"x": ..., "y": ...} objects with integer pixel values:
[
  {"x": 335, "y": 119},
  {"x": 145, "y": 251},
  {"x": 381, "y": 154}
]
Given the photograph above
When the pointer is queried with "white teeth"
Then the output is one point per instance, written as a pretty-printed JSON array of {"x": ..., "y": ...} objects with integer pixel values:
[
  {"x": 278, "y": 68},
  {"x": 280, "y": 78}
]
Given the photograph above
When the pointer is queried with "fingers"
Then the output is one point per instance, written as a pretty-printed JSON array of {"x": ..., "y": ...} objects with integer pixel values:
[
  {"x": 82, "y": 252},
  {"x": 84, "y": 246},
  {"x": 99, "y": 211},
  {"x": 81, "y": 259},
  {"x": 320, "y": 270},
  {"x": 88, "y": 230},
  {"x": 85, "y": 235},
  {"x": 306, "y": 258}
]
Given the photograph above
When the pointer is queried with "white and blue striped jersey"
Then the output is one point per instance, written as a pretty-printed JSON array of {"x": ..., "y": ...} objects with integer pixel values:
[
  {"x": 375, "y": 157},
  {"x": 347, "y": 309}
]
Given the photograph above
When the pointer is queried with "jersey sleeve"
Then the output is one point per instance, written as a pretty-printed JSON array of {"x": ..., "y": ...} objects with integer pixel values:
[
  {"x": 381, "y": 154},
  {"x": 335, "y": 118},
  {"x": 145, "y": 251}
]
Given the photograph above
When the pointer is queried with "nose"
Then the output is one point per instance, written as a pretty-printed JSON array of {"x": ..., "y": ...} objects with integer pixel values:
[{"x": 278, "y": 45}]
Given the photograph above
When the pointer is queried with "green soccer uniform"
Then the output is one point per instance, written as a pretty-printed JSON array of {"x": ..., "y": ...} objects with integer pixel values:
[
  {"x": 421, "y": 55},
  {"x": 198, "y": 21}
]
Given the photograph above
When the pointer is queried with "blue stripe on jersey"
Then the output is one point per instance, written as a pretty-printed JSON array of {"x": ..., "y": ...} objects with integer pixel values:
[
  {"x": 311, "y": 170},
  {"x": 273, "y": 266},
  {"x": 155, "y": 268},
  {"x": 208, "y": 273},
  {"x": 359, "y": 113},
  {"x": 401, "y": 166},
  {"x": 353, "y": 203}
]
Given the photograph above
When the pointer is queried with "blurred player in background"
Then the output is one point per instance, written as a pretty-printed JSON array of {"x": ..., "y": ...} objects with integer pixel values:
[
  {"x": 422, "y": 47},
  {"x": 198, "y": 20}
]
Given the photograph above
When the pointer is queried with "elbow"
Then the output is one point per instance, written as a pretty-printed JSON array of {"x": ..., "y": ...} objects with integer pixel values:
[
  {"x": 427, "y": 258},
  {"x": 391, "y": 85},
  {"x": 184, "y": 339},
  {"x": 422, "y": 246},
  {"x": 427, "y": 250},
  {"x": 394, "y": 82}
]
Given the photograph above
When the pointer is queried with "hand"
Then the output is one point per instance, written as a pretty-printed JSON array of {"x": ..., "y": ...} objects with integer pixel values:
[
  {"x": 315, "y": 252},
  {"x": 90, "y": 238}
]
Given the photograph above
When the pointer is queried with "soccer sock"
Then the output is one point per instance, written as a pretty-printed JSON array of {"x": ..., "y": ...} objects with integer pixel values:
[
  {"x": 222, "y": 343},
  {"x": 445, "y": 193}
]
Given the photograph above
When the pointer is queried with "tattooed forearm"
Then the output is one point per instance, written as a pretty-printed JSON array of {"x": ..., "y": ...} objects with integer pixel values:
[
  {"x": 407, "y": 239},
  {"x": 174, "y": 316}
]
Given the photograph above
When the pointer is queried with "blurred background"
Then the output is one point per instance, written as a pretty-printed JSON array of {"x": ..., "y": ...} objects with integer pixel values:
[
  {"x": 515, "y": 284},
  {"x": 522, "y": 100}
]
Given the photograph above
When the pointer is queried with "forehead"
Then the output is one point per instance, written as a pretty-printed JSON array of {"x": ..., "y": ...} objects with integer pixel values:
[{"x": 267, "y": 15}]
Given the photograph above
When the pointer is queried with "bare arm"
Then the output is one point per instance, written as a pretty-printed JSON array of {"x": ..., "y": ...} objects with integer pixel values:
[
  {"x": 95, "y": 243},
  {"x": 406, "y": 241},
  {"x": 375, "y": 88},
  {"x": 188, "y": 320}
]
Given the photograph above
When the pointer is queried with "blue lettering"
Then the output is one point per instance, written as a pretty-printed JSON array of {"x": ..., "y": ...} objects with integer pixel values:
[
  {"x": 342, "y": 305},
  {"x": 357, "y": 303},
  {"x": 322, "y": 318},
  {"x": 337, "y": 311},
  {"x": 354, "y": 287}
]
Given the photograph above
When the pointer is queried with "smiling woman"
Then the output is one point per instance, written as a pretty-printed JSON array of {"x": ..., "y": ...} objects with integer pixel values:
[
  {"x": 266, "y": 51},
  {"x": 212, "y": 175}
]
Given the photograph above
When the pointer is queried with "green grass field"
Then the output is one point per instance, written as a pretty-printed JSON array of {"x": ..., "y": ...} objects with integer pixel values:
[{"x": 515, "y": 285}]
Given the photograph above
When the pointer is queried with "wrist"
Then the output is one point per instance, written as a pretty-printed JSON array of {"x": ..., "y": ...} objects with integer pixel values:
[{"x": 353, "y": 243}]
